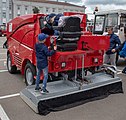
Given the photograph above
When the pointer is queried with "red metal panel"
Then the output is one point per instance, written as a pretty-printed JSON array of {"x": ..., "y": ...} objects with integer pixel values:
[
  {"x": 23, "y": 40},
  {"x": 94, "y": 42}
]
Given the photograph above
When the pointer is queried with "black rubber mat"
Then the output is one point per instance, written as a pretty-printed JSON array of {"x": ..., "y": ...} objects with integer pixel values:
[{"x": 68, "y": 101}]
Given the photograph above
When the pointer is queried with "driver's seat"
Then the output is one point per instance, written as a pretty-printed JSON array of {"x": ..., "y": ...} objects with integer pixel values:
[{"x": 69, "y": 33}]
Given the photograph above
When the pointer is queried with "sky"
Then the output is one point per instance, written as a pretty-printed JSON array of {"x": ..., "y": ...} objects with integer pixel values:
[
  {"x": 101, "y": 4},
  {"x": 104, "y": 4}
]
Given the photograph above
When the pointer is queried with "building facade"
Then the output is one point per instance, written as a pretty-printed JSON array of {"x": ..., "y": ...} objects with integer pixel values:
[
  {"x": 5, "y": 11},
  {"x": 12, "y": 8}
]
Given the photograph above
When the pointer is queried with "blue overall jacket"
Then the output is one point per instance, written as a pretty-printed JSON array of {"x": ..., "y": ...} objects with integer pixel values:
[
  {"x": 42, "y": 53},
  {"x": 122, "y": 53},
  {"x": 114, "y": 43}
]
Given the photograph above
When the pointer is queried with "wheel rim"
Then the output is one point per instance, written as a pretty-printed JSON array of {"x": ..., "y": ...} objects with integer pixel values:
[
  {"x": 29, "y": 76},
  {"x": 9, "y": 64}
]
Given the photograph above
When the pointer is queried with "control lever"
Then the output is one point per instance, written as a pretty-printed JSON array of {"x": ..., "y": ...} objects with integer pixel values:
[{"x": 53, "y": 41}]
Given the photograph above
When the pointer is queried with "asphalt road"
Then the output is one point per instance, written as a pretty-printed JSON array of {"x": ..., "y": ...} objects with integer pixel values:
[{"x": 110, "y": 108}]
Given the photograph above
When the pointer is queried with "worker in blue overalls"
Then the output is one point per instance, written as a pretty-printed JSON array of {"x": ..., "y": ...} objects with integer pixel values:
[
  {"x": 122, "y": 53},
  {"x": 52, "y": 20},
  {"x": 42, "y": 53}
]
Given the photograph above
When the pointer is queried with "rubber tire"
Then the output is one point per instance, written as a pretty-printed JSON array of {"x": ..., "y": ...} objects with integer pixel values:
[
  {"x": 12, "y": 69},
  {"x": 31, "y": 69}
]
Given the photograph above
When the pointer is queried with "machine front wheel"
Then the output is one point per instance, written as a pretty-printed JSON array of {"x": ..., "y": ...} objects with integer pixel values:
[
  {"x": 11, "y": 68},
  {"x": 29, "y": 74}
]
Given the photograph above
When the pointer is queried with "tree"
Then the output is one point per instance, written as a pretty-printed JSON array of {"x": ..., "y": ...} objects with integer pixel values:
[{"x": 35, "y": 10}]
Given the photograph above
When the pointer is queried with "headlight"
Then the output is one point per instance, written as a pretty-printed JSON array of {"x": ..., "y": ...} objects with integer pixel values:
[
  {"x": 63, "y": 64},
  {"x": 95, "y": 60}
]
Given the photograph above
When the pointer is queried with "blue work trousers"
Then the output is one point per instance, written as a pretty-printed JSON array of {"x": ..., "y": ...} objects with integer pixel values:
[{"x": 45, "y": 73}]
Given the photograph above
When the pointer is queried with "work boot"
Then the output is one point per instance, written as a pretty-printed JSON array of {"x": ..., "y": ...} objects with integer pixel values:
[
  {"x": 124, "y": 71},
  {"x": 44, "y": 91},
  {"x": 37, "y": 88}
]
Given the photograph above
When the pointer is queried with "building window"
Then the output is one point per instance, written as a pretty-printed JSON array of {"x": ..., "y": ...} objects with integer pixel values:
[
  {"x": 10, "y": 16},
  {"x": 47, "y": 10},
  {"x": 65, "y": 10},
  {"x": 3, "y": 1},
  {"x": 4, "y": 14},
  {"x": 10, "y": 11},
  {"x": 33, "y": 7},
  {"x": 53, "y": 10},
  {"x": 10, "y": 6},
  {"x": 41, "y": 9},
  {"x": 26, "y": 9},
  {"x": 4, "y": 6},
  {"x": 18, "y": 7},
  {"x": 60, "y": 11},
  {"x": 18, "y": 10},
  {"x": 4, "y": 17}
]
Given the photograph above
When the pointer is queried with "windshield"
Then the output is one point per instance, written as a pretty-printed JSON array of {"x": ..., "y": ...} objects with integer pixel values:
[
  {"x": 99, "y": 24},
  {"x": 123, "y": 20},
  {"x": 104, "y": 21},
  {"x": 112, "y": 21}
]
